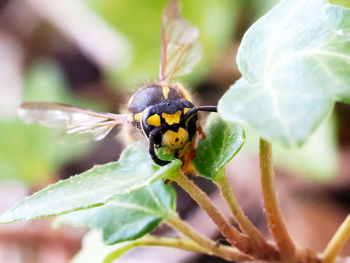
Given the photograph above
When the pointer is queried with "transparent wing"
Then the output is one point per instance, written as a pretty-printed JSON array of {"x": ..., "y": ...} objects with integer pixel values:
[
  {"x": 181, "y": 49},
  {"x": 91, "y": 125}
]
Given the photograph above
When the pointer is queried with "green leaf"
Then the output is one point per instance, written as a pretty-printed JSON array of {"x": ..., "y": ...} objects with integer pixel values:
[
  {"x": 345, "y": 3},
  {"x": 120, "y": 251},
  {"x": 95, "y": 187},
  {"x": 129, "y": 216},
  {"x": 94, "y": 250},
  {"x": 224, "y": 140},
  {"x": 295, "y": 64}
]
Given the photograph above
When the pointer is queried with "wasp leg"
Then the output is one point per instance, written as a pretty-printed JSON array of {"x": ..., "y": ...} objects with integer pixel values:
[
  {"x": 201, "y": 132},
  {"x": 153, "y": 153},
  {"x": 190, "y": 153}
]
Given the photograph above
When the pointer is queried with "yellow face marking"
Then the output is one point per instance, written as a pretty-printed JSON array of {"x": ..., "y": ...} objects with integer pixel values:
[
  {"x": 153, "y": 120},
  {"x": 186, "y": 110},
  {"x": 175, "y": 140},
  {"x": 137, "y": 116},
  {"x": 172, "y": 118},
  {"x": 166, "y": 91}
]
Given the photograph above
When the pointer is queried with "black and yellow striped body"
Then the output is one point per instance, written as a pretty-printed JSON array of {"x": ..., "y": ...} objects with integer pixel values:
[{"x": 161, "y": 110}]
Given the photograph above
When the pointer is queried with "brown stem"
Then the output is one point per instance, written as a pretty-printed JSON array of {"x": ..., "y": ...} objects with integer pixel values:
[
  {"x": 273, "y": 213},
  {"x": 337, "y": 242},
  {"x": 210, "y": 247},
  {"x": 262, "y": 249},
  {"x": 233, "y": 236}
]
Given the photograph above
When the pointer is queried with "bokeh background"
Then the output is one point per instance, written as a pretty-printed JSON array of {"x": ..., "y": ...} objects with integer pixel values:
[{"x": 95, "y": 54}]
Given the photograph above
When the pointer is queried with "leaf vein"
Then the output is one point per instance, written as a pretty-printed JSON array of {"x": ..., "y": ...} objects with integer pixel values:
[
  {"x": 156, "y": 199},
  {"x": 134, "y": 207}
]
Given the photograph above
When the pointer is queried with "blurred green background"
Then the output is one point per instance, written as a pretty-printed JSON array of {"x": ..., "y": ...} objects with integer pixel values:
[
  {"x": 94, "y": 54},
  {"x": 84, "y": 52}
]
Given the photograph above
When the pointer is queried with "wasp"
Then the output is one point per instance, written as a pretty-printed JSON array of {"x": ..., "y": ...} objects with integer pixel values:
[{"x": 162, "y": 110}]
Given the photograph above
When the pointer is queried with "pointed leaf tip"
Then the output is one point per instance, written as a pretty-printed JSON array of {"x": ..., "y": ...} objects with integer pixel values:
[{"x": 95, "y": 187}]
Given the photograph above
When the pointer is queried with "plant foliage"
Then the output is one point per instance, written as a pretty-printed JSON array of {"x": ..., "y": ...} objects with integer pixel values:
[
  {"x": 295, "y": 65},
  {"x": 223, "y": 141},
  {"x": 128, "y": 216},
  {"x": 95, "y": 187}
]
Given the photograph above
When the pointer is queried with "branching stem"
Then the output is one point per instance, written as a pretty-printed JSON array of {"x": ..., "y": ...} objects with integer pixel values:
[
  {"x": 262, "y": 249},
  {"x": 273, "y": 213},
  {"x": 149, "y": 240},
  {"x": 233, "y": 236},
  {"x": 205, "y": 244},
  {"x": 337, "y": 242}
]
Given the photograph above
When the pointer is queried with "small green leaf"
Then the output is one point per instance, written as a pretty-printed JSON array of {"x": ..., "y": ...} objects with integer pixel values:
[
  {"x": 95, "y": 187},
  {"x": 120, "y": 251},
  {"x": 295, "y": 64},
  {"x": 129, "y": 216},
  {"x": 224, "y": 140}
]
